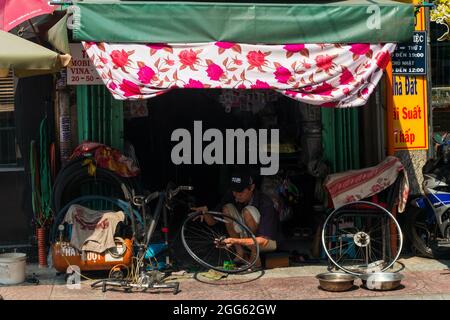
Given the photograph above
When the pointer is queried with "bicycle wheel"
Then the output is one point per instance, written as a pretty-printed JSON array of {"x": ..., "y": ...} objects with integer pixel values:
[
  {"x": 362, "y": 237},
  {"x": 203, "y": 243}
]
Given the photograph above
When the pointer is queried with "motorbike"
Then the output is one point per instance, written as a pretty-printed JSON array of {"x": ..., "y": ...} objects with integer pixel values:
[{"x": 428, "y": 222}]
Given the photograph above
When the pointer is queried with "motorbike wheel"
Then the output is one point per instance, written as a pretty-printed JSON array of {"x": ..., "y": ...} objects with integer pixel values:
[{"x": 423, "y": 235}]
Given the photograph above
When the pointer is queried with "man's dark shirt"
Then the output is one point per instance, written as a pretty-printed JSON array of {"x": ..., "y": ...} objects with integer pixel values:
[{"x": 269, "y": 225}]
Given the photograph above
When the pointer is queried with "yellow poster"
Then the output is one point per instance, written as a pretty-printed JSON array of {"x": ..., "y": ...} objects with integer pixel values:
[
  {"x": 409, "y": 107},
  {"x": 410, "y": 112}
]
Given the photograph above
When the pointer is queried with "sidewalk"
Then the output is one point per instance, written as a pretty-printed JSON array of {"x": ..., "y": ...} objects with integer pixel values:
[{"x": 424, "y": 279}]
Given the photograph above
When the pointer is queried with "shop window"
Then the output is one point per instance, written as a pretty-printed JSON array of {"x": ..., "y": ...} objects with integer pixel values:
[{"x": 8, "y": 156}]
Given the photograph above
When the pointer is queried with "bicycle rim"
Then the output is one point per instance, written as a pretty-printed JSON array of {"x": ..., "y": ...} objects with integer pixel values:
[
  {"x": 199, "y": 241},
  {"x": 362, "y": 237}
]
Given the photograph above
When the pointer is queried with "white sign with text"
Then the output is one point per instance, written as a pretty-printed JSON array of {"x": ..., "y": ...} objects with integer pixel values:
[{"x": 82, "y": 70}]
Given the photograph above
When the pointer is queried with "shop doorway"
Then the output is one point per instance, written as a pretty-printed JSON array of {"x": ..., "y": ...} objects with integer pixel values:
[{"x": 292, "y": 188}]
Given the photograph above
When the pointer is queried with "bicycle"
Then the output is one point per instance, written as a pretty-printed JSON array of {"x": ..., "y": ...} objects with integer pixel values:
[{"x": 202, "y": 242}]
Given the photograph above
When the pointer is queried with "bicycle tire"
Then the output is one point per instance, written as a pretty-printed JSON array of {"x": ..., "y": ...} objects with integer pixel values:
[
  {"x": 220, "y": 218},
  {"x": 74, "y": 173},
  {"x": 350, "y": 237},
  {"x": 80, "y": 176}
]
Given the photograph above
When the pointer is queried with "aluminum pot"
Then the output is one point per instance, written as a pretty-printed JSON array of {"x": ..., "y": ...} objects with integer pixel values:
[
  {"x": 333, "y": 281},
  {"x": 381, "y": 280}
]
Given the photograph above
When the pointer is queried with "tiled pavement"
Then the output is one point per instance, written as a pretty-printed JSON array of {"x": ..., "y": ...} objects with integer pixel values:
[{"x": 424, "y": 279}]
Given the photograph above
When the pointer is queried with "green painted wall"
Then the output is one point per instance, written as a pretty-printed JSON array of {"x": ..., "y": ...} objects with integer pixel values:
[
  {"x": 100, "y": 116},
  {"x": 340, "y": 138}
]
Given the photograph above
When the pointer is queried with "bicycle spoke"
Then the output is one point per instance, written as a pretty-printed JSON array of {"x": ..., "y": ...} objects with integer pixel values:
[
  {"x": 238, "y": 256},
  {"x": 343, "y": 255},
  {"x": 204, "y": 232},
  {"x": 199, "y": 241},
  {"x": 208, "y": 254},
  {"x": 212, "y": 231},
  {"x": 343, "y": 245}
]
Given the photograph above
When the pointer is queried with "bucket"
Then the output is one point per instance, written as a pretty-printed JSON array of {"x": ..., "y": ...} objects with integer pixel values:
[{"x": 12, "y": 268}]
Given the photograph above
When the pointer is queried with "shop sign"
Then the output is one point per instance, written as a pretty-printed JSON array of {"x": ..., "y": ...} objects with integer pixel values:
[
  {"x": 410, "y": 119},
  {"x": 82, "y": 70},
  {"x": 410, "y": 58},
  {"x": 409, "y": 107}
]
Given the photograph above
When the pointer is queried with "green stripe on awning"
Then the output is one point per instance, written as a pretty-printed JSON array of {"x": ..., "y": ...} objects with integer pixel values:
[{"x": 270, "y": 23}]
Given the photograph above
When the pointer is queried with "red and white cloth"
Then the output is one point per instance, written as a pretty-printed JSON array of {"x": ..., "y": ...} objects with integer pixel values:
[
  {"x": 328, "y": 75},
  {"x": 355, "y": 185}
]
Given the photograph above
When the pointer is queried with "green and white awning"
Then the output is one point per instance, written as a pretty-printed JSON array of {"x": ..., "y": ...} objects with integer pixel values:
[{"x": 348, "y": 21}]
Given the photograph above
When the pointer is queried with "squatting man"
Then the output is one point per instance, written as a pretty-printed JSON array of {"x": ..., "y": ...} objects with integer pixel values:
[{"x": 252, "y": 208}]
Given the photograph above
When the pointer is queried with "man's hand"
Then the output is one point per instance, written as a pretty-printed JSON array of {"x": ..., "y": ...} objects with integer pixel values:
[
  {"x": 227, "y": 242},
  {"x": 203, "y": 209}
]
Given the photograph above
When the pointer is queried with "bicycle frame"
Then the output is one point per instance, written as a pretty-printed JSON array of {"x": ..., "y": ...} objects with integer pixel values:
[
  {"x": 141, "y": 202},
  {"x": 147, "y": 279}
]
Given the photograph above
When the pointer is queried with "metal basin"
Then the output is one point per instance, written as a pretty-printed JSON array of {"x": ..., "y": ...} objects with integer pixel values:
[
  {"x": 381, "y": 280},
  {"x": 332, "y": 281}
]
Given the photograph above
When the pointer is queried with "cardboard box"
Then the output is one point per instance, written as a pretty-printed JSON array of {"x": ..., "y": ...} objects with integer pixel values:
[{"x": 276, "y": 260}]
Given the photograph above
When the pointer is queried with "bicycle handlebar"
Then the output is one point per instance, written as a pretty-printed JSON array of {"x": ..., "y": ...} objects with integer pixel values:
[
  {"x": 141, "y": 200},
  {"x": 174, "y": 192},
  {"x": 126, "y": 192}
]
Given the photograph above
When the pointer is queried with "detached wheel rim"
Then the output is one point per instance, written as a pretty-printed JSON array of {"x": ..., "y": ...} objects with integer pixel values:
[{"x": 356, "y": 238}]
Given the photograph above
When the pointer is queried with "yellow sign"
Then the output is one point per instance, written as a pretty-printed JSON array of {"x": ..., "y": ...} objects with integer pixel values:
[
  {"x": 409, "y": 107},
  {"x": 410, "y": 119}
]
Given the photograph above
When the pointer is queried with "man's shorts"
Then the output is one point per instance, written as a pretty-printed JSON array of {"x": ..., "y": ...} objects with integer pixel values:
[{"x": 256, "y": 215}]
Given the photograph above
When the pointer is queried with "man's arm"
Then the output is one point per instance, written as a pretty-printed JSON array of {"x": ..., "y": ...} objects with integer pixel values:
[{"x": 261, "y": 241}]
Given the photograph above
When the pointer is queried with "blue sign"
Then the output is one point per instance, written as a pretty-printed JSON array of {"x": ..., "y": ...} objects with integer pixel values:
[{"x": 411, "y": 57}]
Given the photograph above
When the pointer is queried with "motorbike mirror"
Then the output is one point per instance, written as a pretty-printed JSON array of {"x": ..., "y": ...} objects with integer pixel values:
[{"x": 438, "y": 138}]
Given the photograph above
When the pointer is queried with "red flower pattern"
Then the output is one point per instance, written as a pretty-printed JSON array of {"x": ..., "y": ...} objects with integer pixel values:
[
  {"x": 225, "y": 45},
  {"x": 383, "y": 59},
  {"x": 158, "y": 46},
  {"x": 294, "y": 47},
  {"x": 325, "y": 62},
  {"x": 130, "y": 89},
  {"x": 260, "y": 85},
  {"x": 194, "y": 84},
  {"x": 256, "y": 58},
  {"x": 282, "y": 75},
  {"x": 214, "y": 72},
  {"x": 119, "y": 58},
  {"x": 360, "y": 49},
  {"x": 346, "y": 77},
  {"x": 188, "y": 57},
  {"x": 144, "y": 74},
  {"x": 323, "y": 90}
]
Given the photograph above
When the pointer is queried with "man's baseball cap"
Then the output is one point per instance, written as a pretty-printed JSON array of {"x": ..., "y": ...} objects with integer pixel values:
[{"x": 240, "y": 181}]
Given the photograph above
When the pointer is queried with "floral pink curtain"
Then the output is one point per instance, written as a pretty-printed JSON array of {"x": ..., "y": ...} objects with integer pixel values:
[{"x": 329, "y": 75}]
